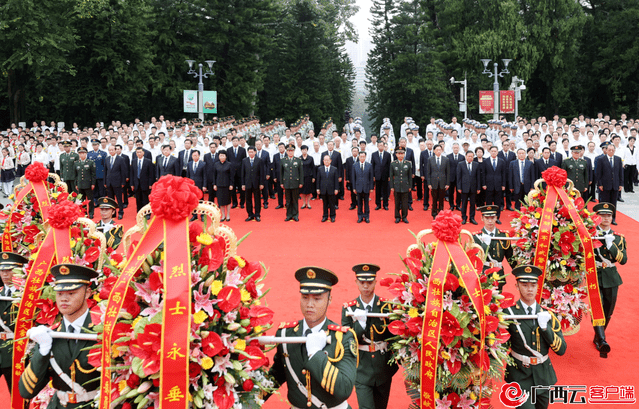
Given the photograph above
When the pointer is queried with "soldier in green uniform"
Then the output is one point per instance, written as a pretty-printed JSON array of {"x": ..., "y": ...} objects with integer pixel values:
[
  {"x": 374, "y": 373},
  {"x": 62, "y": 361},
  {"x": 292, "y": 178},
  {"x": 496, "y": 251},
  {"x": 401, "y": 179},
  {"x": 578, "y": 171},
  {"x": 67, "y": 166},
  {"x": 530, "y": 340},
  {"x": 8, "y": 310},
  {"x": 319, "y": 373},
  {"x": 85, "y": 178},
  {"x": 613, "y": 250},
  {"x": 111, "y": 231}
]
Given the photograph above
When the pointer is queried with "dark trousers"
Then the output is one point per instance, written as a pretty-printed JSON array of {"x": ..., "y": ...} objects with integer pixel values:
[
  {"x": 608, "y": 300},
  {"x": 340, "y": 193},
  {"x": 495, "y": 197},
  {"x": 401, "y": 204},
  {"x": 363, "y": 207},
  {"x": 292, "y": 202},
  {"x": 328, "y": 205},
  {"x": 373, "y": 397},
  {"x": 70, "y": 186},
  {"x": 454, "y": 198},
  {"x": 438, "y": 200},
  {"x": 141, "y": 198},
  {"x": 271, "y": 186},
  {"x": 417, "y": 181},
  {"x": 519, "y": 197},
  {"x": 628, "y": 178},
  {"x": 99, "y": 190},
  {"x": 87, "y": 194},
  {"x": 212, "y": 195},
  {"x": 265, "y": 193},
  {"x": 125, "y": 193},
  {"x": 237, "y": 181},
  {"x": 508, "y": 197},
  {"x": 592, "y": 191},
  {"x": 115, "y": 192},
  {"x": 353, "y": 196},
  {"x": 609, "y": 196},
  {"x": 253, "y": 196},
  {"x": 280, "y": 194},
  {"x": 468, "y": 202},
  {"x": 481, "y": 198},
  {"x": 426, "y": 194},
  {"x": 381, "y": 192}
]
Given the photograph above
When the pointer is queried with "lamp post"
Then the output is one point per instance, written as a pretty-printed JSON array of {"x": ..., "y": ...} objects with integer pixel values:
[
  {"x": 463, "y": 95},
  {"x": 200, "y": 84},
  {"x": 495, "y": 75},
  {"x": 517, "y": 85}
]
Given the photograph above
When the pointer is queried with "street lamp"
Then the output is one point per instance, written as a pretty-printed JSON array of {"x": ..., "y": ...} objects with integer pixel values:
[
  {"x": 495, "y": 74},
  {"x": 200, "y": 84},
  {"x": 517, "y": 85},
  {"x": 463, "y": 94}
]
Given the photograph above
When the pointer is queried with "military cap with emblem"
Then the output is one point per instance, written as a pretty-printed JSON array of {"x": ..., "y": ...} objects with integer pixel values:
[
  {"x": 576, "y": 147},
  {"x": 95, "y": 142},
  {"x": 366, "y": 272},
  {"x": 527, "y": 273},
  {"x": 82, "y": 149},
  {"x": 107, "y": 203},
  {"x": 10, "y": 260},
  {"x": 490, "y": 210},
  {"x": 290, "y": 147},
  {"x": 315, "y": 280},
  {"x": 604, "y": 208},
  {"x": 68, "y": 277},
  {"x": 399, "y": 149},
  {"x": 66, "y": 143}
]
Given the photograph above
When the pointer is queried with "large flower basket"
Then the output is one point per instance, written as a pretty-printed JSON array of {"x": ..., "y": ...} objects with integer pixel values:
[
  {"x": 450, "y": 338},
  {"x": 555, "y": 229},
  {"x": 177, "y": 321}
]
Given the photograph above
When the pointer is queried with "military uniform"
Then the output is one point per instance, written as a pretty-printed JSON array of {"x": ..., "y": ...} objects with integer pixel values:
[
  {"x": 98, "y": 157},
  {"x": 497, "y": 251},
  {"x": 85, "y": 180},
  {"x": 530, "y": 345},
  {"x": 291, "y": 177},
  {"x": 67, "y": 168},
  {"x": 578, "y": 172},
  {"x": 401, "y": 179},
  {"x": 111, "y": 230},
  {"x": 66, "y": 364}
]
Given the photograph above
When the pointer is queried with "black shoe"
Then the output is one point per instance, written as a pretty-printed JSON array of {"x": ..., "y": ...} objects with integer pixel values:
[
  {"x": 368, "y": 220},
  {"x": 452, "y": 208},
  {"x": 324, "y": 219},
  {"x": 336, "y": 207},
  {"x": 332, "y": 220},
  {"x": 234, "y": 206},
  {"x": 90, "y": 215},
  {"x": 473, "y": 221},
  {"x": 510, "y": 208},
  {"x": 248, "y": 219},
  {"x": 426, "y": 207},
  {"x": 359, "y": 220},
  {"x": 378, "y": 207},
  {"x": 498, "y": 221},
  {"x": 228, "y": 219},
  {"x": 241, "y": 206},
  {"x": 279, "y": 207},
  {"x": 405, "y": 220},
  {"x": 272, "y": 196},
  {"x": 397, "y": 220},
  {"x": 125, "y": 206},
  {"x": 352, "y": 207},
  {"x": 296, "y": 219},
  {"x": 257, "y": 219},
  {"x": 194, "y": 218},
  {"x": 614, "y": 222},
  {"x": 120, "y": 217},
  {"x": 621, "y": 200},
  {"x": 385, "y": 207},
  {"x": 463, "y": 221},
  {"x": 410, "y": 207},
  {"x": 266, "y": 205},
  {"x": 303, "y": 206},
  {"x": 308, "y": 207}
]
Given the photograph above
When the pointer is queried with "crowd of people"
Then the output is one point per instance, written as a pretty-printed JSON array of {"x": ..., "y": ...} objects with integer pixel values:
[{"x": 248, "y": 163}]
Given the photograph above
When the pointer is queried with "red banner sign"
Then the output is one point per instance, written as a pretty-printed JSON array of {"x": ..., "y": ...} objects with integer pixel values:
[
  {"x": 507, "y": 102},
  {"x": 486, "y": 102}
]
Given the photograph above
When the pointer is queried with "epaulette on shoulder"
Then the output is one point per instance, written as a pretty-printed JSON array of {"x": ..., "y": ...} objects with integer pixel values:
[
  {"x": 288, "y": 324},
  {"x": 350, "y": 303},
  {"x": 338, "y": 328}
]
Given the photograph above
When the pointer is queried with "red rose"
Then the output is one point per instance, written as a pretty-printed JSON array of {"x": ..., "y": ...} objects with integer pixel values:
[
  {"x": 231, "y": 264},
  {"x": 229, "y": 298},
  {"x": 454, "y": 398},
  {"x": 195, "y": 229},
  {"x": 247, "y": 385},
  {"x": 133, "y": 381},
  {"x": 92, "y": 254},
  {"x": 194, "y": 369},
  {"x": 174, "y": 198},
  {"x": 447, "y": 226},
  {"x": 127, "y": 405},
  {"x": 568, "y": 288}
]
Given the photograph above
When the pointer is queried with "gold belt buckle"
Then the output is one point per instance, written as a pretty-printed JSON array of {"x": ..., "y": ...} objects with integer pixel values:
[
  {"x": 73, "y": 398},
  {"x": 3, "y": 336},
  {"x": 533, "y": 361},
  {"x": 371, "y": 348}
]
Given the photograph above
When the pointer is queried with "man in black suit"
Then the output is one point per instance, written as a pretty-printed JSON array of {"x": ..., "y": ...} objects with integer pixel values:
[
  {"x": 147, "y": 153},
  {"x": 115, "y": 177},
  {"x": 609, "y": 176},
  {"x": 253, "y": 181},
  {"x": 236, "y": 154},
  {"x": 554, "y": 155},
  {"x": 209, "y": 162},
  {"x": 275, "y": 171},
  {"x": 127, "y": 162},
  {"x": 165, "y": 164},
  {"x": 265, "y": 158},
  {"x": 328, "y": 187},
  {"x": 468, "y": 185},
  {"x": 507, "y": 156},
  {"x": 184, "y": 157},
  {"x": 544, "y": 162},
  {"x": 454, "y": 159},
  {"x": 409, "y": 156},
  {"x": 142, "y": 177},
  {"x": 336, "y": 162},
  {"x": 196, "y": 171},
  {"x": 438, "y": 176},
  {"x": 362, "y": 183},
  {"x": 423, "y": 164},
  {"x": 381, "y": 161},
  {"x": 494, "y": 180},
  {"x": 521, "y": 177},
  {"x": 348, "y": 166}
]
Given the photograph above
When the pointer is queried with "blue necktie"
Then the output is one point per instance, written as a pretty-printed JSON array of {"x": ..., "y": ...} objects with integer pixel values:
[
  {"x": 139, "y": 168},
  {"x": 521, "y": 171},
  {"x": 494, "y": 164}
]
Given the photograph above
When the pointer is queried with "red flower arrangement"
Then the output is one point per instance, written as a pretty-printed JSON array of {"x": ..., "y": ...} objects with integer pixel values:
[
  {"x": 447, "y": 226},
  {"x": 174, "y": 198},
  {"x": 64, "y": 214},
  {"x": 36, "y": 172},
  {"x": 555, "y": 176}
]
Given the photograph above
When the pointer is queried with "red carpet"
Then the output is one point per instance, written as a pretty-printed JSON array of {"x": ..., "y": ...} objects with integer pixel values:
[{"x": 284, "y": 247}]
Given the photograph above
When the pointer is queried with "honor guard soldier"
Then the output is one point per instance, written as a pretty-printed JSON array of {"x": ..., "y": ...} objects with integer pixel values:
[
  {"x": 613, "y": 250},
  {"x": 578, "y": 170},
  {"x": 85, "y": 178},
  {"x": 530, "y": 340},
  {"x": 401, "y": 179},
  {"x": 374, "y": 373},
  {"x": 496, "y": 251},
  {"x": 8, "y": 310},
  {"x": 320, "y": 373},
  {"x": 67, "y": 166},
  {"x": 111, "y": 231},
  {"x": 292, "y": 177},
  {"x": 62, "y": 361}
]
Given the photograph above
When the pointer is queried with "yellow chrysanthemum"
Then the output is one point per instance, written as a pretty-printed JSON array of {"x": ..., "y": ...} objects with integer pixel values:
[
  {"x": 135, "y": 321},
  {"x": 240, "y": 345},
  {"x": 121, "y": 385},
  {"x": 495, "y": 276},
  {"x": 413, "y": 313},
  {"x": 445, "y": 355},
  {"x": 207, "y": 363},
  {"x": 257, "y": 329},
  {"x": 11, "y": 197},
  {"x": 473, "y": 396},
  {"x": 246, "y": 296},
  {"x": 554, "y": 223},
  {"x": 190, "y": 397},
  {"x": 436, "y": 395},
  {"x": 486, "y": 309},
  {"x": 562, "y": 262},
  {"x": 537, "y": 215},
  {"x": 72, "y": 243},
  {"x": 199, "y": 317},
  {"x": 528, "y": 225},
  {"x": 575, "y": 291},
  {"x": 216, "y": 287},
  {"x": 204, "y": 239},
  {"x": 97, "y": 298},
  {"x": 240, "y": 262},
  {"x": 31, "y": 247}
]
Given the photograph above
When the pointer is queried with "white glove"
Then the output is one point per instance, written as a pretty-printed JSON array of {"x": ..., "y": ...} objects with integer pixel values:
[
  {"x": 359, "y": 315},
  {"x": 486, "y": 238},
  {"x": 315, "y": 342},
  {"x": 542, "y": 319},
  {"x": 41, "y": 335},
  {"x": 610, "y": 238}
]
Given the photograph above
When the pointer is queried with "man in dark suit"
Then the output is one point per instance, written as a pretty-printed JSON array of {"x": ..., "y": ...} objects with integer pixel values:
[
  {"x": 521, "y": 177},
  {"x": 507, "y": 156},
  {"x": 115, "y": 177},
  {"x": 184, "y": 157},
  {"x": 423, "y": 165},
  {"x": 336, "y": 162},
  {"x": 127, "y": 162},
  {"x": 196, "y": 171},
  {"x": 142, "y": 177},
  {"x": 554, "y": 155},
  {"x": 438, "y": 176},
  {"x": 409, "y": 156},
  {"x": 609, "y": 176},
  {"x": 348, "y": 167},
  {"x": 147, "y": 153},
  {"x": 494, "y": 180},
  {"x": 362, "y": 183},
  {"x": 209, "y": 161},
  {"x": 381, "y": 161},
  {"x": 328, "y": 187},
  {"x": 279, "y": 156},
  {"x": 544, "y": 162},
  {"x": 236, "y": 154},
  {"x": 166, "y": 164},
  {"x": 253, "y": 181},
  {"x": 468, "y": 185},
  {"x": 265, "y": 158},
  {"x": 454, "y": 159}
]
